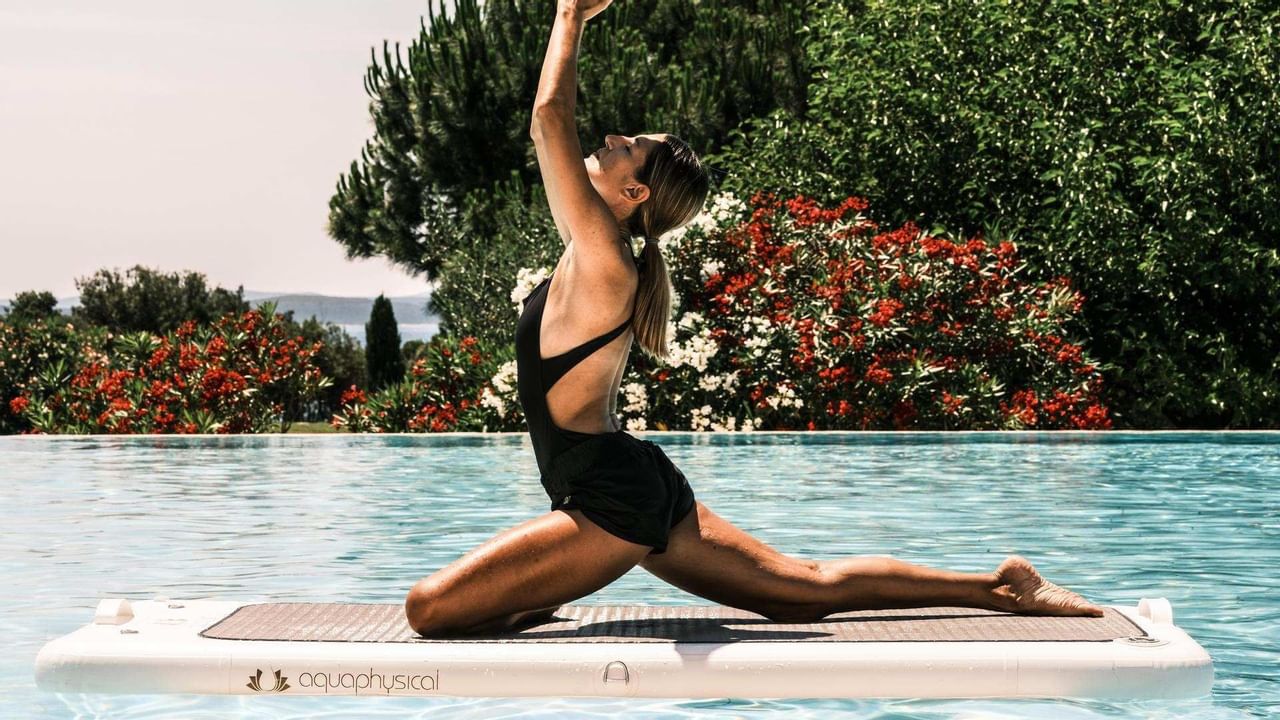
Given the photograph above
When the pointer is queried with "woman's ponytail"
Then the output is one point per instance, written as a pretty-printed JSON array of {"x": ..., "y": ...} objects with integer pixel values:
[
  {"x": 678, "y": 186},
  {"x": 653, "y": 301}
]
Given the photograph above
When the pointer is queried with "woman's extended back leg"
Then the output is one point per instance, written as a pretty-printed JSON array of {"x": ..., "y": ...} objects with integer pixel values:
[{"x": 538, "y": 564}]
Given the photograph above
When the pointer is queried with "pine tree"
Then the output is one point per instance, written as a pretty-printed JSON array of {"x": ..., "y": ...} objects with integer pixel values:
[
  {"x": 451, "y": 115},
  {"x": 382, "y": 346}
]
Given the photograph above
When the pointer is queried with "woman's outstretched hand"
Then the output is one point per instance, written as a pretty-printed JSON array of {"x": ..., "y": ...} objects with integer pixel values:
[{"x": 586, "y": 9}]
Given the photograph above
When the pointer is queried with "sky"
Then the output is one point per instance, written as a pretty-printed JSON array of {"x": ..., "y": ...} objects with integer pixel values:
[{"x": 181, "y": 135}]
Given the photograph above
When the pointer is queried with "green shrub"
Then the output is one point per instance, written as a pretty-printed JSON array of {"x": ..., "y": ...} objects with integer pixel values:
[
  {"x": 231, "y": 376},
  {"x": 30, "y": 306},
  {"x": 26, "y": 351},
  {"x": 1130, "y": 145},
  {"x": 444, "y": 392}
]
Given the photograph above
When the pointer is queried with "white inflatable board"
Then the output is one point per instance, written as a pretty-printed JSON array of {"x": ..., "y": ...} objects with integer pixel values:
[{"x": 164, "y": 646}]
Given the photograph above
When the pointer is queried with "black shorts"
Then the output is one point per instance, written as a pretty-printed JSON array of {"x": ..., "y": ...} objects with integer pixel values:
[{"x": 625, "y": 485}]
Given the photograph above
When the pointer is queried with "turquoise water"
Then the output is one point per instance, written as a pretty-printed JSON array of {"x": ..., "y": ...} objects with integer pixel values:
[{"x": 1194, "y": 517}]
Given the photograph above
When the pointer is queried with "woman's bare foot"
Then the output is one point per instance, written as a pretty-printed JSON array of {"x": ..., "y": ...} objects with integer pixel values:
[{"x": 1025, "y": 591}]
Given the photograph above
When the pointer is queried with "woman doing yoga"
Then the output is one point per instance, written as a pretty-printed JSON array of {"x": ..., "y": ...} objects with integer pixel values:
[{"x": 618, "y": 501}]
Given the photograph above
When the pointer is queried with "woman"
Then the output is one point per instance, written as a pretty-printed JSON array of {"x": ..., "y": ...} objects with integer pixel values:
[{"x": 617, "y": 501}]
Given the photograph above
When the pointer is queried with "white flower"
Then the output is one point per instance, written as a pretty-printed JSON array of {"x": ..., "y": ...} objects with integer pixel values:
[
  {"x": 488, "y": 399},
  {"x": 636, "y": 424},
  {"x": 689, "y": 320},
  {"x": 505, "y": 380},
  {"x": 697, "y": 350},
  {"x": 709, "y": 268},
  {"x": 727, "y": 208},
  {"x": 637, "y": 398},
  {"x": 786, "y": 397},
  {"x": 670, "y": 242},
  {"x": 713, "y": 383},
  {"x": 700, "y": 418},
  {"x": 526, "y": 281},
  {"x": 726, "y": 426}
]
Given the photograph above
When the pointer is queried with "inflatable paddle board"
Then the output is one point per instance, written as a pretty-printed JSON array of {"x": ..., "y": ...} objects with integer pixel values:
[{"x": 218, "y": 647}]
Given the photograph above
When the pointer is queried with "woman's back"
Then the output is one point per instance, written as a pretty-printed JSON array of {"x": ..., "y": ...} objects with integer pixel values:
[{"x": 568, "y": 367}]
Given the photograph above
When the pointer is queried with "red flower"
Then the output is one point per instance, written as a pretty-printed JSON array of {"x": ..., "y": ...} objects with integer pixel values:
[
  {"x": 885, "y": 311},
  {"x": 951, "y": 404},
  {"x": 903, "y": 413},
  {"x": 878, "y": 375},
  {"x": 1095, "y": 417},
  {"x": 158, "y": 357},
  {"x": 353, "y": 394},
  {"x": 18, "y": 405}
]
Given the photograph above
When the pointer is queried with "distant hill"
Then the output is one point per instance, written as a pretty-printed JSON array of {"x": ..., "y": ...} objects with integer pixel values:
[
  {"x": 345, "y": 310},
  {"x": 414, "y": 321},
  {"x": 351, "y": 313}
]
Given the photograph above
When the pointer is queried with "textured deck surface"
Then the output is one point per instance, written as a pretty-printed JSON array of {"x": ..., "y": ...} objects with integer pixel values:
[{"x": 347, "y": 622}]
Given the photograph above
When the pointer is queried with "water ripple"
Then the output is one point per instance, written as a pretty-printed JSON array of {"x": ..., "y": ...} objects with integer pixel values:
[{"x": 1194, "y": 517}]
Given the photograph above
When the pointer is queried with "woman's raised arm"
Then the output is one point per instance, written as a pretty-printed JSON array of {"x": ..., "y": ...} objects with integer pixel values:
[{"x": 581, "y": 215}]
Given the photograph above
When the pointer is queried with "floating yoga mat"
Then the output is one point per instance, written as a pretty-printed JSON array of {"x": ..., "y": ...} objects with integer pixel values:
[{"x": 696, "y": 651}]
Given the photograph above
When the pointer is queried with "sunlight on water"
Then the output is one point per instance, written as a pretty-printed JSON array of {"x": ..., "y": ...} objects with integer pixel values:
[{"x": 1191, "y": 517}]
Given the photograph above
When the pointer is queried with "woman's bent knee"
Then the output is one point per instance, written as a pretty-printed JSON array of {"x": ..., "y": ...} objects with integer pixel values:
[{"x": 425, "y": 608}]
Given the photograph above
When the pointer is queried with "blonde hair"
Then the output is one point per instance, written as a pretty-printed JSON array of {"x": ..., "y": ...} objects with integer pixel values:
[{"x": 678, "y": 186}]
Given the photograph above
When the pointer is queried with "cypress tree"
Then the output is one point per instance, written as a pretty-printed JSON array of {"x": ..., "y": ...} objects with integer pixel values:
[{"x": 382, "y": 346}]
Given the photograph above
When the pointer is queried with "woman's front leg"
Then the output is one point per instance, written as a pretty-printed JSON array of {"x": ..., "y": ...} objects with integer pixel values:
[{"x": 530, "y": 568}]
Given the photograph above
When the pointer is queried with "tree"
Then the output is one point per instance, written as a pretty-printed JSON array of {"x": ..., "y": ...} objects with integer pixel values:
[
  {"x": 147, "y": 300},
  {"x": 30, "y": 306},
  {"x": 412, "y": 350},
  {"x": 382, "y": 346},
  {"x": 451, "y": 115}
]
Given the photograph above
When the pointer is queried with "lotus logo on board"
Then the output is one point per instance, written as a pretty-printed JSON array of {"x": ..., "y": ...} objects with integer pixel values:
[{"x": 255, "y": 683}]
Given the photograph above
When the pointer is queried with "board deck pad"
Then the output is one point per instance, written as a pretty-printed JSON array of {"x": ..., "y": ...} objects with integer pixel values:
[{"x": 385, "y": 623}]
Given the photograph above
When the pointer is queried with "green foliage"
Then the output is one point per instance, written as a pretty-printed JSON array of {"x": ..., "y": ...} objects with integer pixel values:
[
  {"x": 147, "y": 300},
  {"x": 30, "y": 306},
  {"x": 1130, "y": 145},
  {"x": 382, "y": 346},
  {"x": 412, "y": 350},
  {"x": 451, "y": 114},
  {"x": 472, "y": 296},
  {"x": 446, "y": 391},
  {"x": 37, "y": 352}
]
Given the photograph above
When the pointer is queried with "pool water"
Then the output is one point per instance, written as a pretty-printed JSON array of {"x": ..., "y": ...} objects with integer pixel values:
[{"x": 1194, "y": 517}]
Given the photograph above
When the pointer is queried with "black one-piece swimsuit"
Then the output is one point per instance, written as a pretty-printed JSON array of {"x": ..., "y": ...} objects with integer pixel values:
[{"x": 625, "y": 485}]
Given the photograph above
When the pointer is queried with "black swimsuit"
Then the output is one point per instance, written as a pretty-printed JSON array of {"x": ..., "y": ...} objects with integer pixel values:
[{"x": 625, "y": 485}]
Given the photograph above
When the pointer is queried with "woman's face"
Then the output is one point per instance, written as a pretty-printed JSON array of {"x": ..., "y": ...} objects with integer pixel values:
[{"x": 613, "y": 168}]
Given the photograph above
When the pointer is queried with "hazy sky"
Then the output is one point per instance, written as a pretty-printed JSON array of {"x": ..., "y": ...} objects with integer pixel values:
[{"x": 186, "y": 135}]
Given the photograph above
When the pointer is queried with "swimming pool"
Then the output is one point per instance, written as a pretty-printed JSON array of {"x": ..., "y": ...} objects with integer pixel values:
[{"x": 1194, "y": 517}]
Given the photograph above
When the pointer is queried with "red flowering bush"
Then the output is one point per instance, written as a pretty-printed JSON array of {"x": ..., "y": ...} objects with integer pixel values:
[
  {"x": 444, "y": 391},
  {"x": 801, "y": 317},
  {"x": 229, "y": 377},
  {"x": 791, "y": 316},
  {"x": 26, "y": 348}
]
